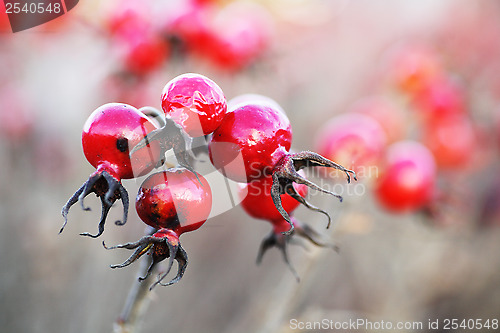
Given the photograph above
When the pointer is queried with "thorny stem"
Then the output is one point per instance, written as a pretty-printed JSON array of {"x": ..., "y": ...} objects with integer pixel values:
[{"x": 137, "y": 301}]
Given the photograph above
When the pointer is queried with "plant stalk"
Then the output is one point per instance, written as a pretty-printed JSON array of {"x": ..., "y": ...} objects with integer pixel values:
[{"x": 137, "y": 301}]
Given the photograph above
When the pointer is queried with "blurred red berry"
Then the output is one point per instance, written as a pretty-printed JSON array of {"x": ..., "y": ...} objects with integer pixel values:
[
  {"x": 411, "y": 66},
  {"x": 352, "y": 139},
  {"x": 4, "y": 20},
  {"x": 452, "y": 140},
  {"x": 241, "y": 33},
  {"x": 127, "y": 18},
  {"x": 441, "y": 97},
  {"x": 407, "y": 182},
  {"x": 187, "y": 26},
  {"x": 16, "y": 120},
  {"x": 389, "y": 115},
  {"x": 145, "y": 54}
]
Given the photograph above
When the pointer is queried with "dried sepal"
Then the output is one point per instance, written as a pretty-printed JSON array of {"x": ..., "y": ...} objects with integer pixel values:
[
  {"x": 285, "y": 173},
  {"x": 108, "y": 189},
  {"x": 280, "y": 240},
  {"x": 161, "y": 245},
  {"x": 170, "y": 136}
]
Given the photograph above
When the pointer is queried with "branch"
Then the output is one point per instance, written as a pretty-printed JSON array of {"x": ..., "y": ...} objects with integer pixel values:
[{"x": 137, "y": 300}]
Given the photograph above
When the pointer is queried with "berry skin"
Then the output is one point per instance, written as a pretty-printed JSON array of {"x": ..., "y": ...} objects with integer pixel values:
[
  {"x": 352, "y": 139},
  {"x": 258, "y": 203},
  {"x": 194, "y": 106},
  {"x": 408, "y": 182},
  {"x": 256, "y": 133},
  {"x": 441, "y": 97},
  {"x": 16, "y": 121},
  {"x": 253, "y": 141},
  {"x": 452, "y": 140},
  {"x": 240, "y": 34},
  {"x": 174, "y": 202},
  {"x": 186, "y": 25},
  {"x": 129, "y": 18},
  {"x": 143, "y": 50},
  {"x": 195, "y": 102},
  {"x": 145, "y": 54},
  {"x": 108, "y": 134},
  {"x": 412, "y": 66},
  {"x": 385, "y": 112}
]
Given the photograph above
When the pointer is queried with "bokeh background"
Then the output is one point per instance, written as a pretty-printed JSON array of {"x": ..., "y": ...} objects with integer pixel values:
[{"x": 316, "y": 58}]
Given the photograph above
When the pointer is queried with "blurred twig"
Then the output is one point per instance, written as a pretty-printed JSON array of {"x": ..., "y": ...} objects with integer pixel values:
[
  {"x": 137, "y": 301},
  {"x": 288, "y": 293}
]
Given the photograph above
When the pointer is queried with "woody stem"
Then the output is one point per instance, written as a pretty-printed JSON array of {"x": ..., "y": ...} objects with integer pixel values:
[{"x": 137, "y": 301}]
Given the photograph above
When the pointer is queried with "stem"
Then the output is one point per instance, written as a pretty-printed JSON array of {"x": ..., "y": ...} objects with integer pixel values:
[
  {"x": 287, "y": 294},
  {"x": 137, "y": 302}
]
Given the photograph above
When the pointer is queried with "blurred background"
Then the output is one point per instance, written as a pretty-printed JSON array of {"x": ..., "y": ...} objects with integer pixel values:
[{"x": 363, "y": 82}]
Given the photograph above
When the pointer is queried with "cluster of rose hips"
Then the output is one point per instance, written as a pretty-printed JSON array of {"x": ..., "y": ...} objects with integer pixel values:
[
  {"x": 230, "y": 37},
  {"x": 248, "y": 142},
  {"x": 403, "y": 153}
]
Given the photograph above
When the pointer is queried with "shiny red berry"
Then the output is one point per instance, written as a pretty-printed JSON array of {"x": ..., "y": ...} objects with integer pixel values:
[
  {"x": 108, "y": 135},
  {"x": 253, "y": 142},
  {"x": 195, "y": 102},
  {"x": 174, "y": 202},
  {"x": 175, "y": 199},
  {"x": 250, "y": 141}
]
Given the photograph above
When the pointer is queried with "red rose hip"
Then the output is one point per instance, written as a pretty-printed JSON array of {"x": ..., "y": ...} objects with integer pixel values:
[
  {"x": 195, "y": 102},
  {"x": 408, "y": 181},
  {"x": 250, "y": 142},
  {"x": 108, "y": 134},
  {"x": 253, "y": 142},
  {"x": 174, "y": 202}
]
